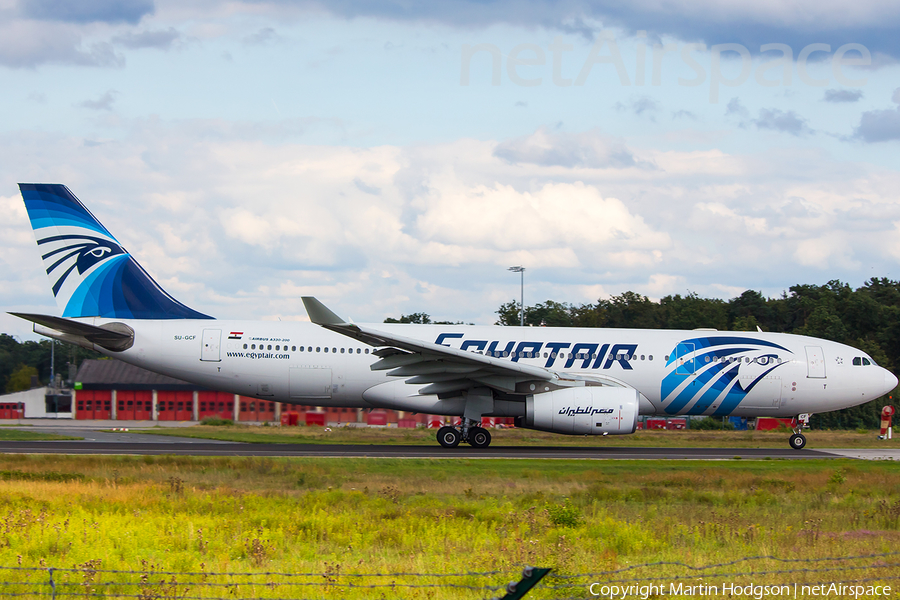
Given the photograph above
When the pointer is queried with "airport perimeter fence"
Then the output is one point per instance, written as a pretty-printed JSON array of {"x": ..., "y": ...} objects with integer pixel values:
[{"x": 756, "y": 577}]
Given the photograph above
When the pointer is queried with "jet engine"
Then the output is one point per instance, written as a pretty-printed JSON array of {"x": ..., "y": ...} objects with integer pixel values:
[{"x": 590, "y": 410}]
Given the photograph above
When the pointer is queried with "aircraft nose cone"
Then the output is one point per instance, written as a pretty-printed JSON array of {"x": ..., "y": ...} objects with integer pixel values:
[{"x": 890, "y": 381}]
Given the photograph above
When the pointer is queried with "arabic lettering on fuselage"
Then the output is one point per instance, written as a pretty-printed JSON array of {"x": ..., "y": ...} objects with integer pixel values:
[{"x": 586, "y": 355}]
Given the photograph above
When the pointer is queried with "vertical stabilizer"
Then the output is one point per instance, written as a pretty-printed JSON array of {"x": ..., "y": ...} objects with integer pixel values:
[{"x": 91, "y": 274}]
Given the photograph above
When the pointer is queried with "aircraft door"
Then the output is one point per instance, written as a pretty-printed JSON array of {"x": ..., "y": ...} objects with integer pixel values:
[
  {"x": 212, "y": 342},
  {"x": 815, "y": 361}
]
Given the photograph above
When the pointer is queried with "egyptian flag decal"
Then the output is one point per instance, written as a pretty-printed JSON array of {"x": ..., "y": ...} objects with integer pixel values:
[{"x": 235, "y": 335}]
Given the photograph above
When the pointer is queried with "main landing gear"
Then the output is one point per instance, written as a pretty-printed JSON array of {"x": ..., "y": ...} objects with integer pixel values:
[
  {"x": 798, "y": 440},
  {"x": 469, "y": 431}
]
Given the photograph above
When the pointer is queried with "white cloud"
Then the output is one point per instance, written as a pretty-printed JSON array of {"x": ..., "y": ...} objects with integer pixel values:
[
  {"x": 569, "y": 214},
  {"x": 828, "y": 251},
  {"x": 239, "y": 228}
]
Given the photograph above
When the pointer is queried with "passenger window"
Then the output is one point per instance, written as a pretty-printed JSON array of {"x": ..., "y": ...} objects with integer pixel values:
[
  {"x": 253, "y": 346},
  {"x": 319, "y": 348},
  {"x": 334, "y": 349},
  {"x": 294, "y": 348},
  {"x": 326, "y": 349},
  {"x": 367, "y": 350},
  {"x": 342, "y": 350},
  {"x": 245, "y": 346},
  {"x": 650, "y": 357},
  {"x": 278, "y": 347},
  {"x": 270, "y": 346}
]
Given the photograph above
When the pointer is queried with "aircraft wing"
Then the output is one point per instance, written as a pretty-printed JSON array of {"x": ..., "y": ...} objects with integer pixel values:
[{"x": 441, "y": 369}]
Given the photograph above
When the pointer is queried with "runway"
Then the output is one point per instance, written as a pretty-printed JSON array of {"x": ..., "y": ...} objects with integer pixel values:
[
  {"x": 99, "y": 439},
  {"x": 137, "y": 445}
]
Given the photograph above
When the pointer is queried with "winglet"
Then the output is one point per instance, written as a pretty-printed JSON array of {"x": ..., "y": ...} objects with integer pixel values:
[{"x": 320, "y": 314}]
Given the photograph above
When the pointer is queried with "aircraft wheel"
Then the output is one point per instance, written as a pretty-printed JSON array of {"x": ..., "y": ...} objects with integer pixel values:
[
  {"x": 448, "y": 437},
  {"x": 479, "y": 437},
  {"x": 798, "y": 440}
]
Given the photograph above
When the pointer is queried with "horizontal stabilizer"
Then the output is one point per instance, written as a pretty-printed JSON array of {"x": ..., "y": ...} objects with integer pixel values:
[{"x": 112, "y": 336}]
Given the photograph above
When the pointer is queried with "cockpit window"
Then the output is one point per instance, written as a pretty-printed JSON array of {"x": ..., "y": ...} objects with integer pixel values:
[
  {"x": 866, "y": 361},
  {"x": 857, "y": 361}
]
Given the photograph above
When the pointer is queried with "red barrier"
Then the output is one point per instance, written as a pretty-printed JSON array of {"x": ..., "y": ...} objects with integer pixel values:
[
  {"x": 377, "y": 417},
  {"x": 315, "y": 418},
  {"x": 770, "y": 423}
]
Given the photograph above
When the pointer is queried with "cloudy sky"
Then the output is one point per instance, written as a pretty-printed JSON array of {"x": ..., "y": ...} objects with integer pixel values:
[{"x": 392, "y": 158}]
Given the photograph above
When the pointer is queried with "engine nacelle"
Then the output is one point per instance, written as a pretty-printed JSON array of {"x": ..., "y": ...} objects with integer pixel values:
[{"x": 591, "y": 410}]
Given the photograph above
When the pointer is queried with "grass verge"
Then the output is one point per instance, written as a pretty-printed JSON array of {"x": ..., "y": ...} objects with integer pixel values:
[
  {"x": 363, "y": 516},
  {"x": 16, "y": 435}
]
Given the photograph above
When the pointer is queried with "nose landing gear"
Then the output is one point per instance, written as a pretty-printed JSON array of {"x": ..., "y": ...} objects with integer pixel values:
[
  {"x": 798, "y": 440},
  {"x": 475, "y": 435}
]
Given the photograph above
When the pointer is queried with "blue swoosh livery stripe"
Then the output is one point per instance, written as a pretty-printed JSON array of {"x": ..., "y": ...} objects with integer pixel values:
[
  {"x": 56, "y": 206},
  {"x": 705, "y": 381}
]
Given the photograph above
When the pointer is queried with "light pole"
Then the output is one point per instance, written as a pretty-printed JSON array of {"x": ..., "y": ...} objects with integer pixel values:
[{"x": 521, "y": 271}]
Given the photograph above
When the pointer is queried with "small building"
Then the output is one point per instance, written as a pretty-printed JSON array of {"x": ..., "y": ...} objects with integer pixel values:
[{"x": 36, "y": 403}]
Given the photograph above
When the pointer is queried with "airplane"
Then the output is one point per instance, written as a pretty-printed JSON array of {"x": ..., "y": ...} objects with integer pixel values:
[{"x": 577, "y": 381}]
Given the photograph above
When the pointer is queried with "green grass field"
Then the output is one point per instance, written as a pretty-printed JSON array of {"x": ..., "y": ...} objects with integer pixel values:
[
  {"x": 340, "y": 517},
  {"x": 520, "y": 437}
]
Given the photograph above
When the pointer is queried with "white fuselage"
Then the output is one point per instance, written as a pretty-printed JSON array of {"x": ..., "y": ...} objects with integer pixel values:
[{"x": 676, "y": 372}]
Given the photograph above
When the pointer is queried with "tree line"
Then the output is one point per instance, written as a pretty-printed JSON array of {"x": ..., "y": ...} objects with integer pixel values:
[{"x": 19, "y": 362}]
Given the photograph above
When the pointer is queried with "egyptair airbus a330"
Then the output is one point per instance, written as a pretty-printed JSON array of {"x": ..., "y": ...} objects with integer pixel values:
[{"x": 562, "y": 380}]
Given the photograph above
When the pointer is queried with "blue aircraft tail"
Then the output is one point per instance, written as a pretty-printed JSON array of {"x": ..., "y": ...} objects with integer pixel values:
[{"x": 91, "y": 274}]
